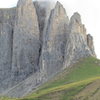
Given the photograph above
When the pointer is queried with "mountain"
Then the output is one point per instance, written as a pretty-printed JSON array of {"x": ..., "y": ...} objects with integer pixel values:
[{"x": 37, "y": 41}]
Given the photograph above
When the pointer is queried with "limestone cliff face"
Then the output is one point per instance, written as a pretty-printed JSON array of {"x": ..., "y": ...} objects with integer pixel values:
[
  {"x": 90, "y": 44},
  {"x": 7, "y": 17},
  {"x": 43, "y": 9},
  {"x": 77, "y": 46},
  {"x": 26, "y": 42},
  {"x": 37, "y": 41},
  {"x": 54, "y": 40}
]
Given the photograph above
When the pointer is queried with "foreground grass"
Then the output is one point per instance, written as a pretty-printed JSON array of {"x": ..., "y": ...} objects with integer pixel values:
[
  {"x": 64, "y": 92},
  {"x": 90, "y": 92},
  {"x": 60, "y": 88},
  {"x": 7, "y": 98}
]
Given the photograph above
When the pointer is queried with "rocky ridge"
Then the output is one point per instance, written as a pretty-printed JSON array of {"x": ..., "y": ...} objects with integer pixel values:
[{"x": 36, "y": 42}]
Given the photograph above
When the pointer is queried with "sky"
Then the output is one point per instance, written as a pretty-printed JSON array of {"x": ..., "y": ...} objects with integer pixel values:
[{"x": 88, "y": 9}]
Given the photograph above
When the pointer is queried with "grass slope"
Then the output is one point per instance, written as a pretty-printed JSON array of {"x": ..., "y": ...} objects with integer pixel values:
[
  {"x": 67, "y": 84},
  {"x": 84, "y": 69},
  {"x": 90, "y": 92}
]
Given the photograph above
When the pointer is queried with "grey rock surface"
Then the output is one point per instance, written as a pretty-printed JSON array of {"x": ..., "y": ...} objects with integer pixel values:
[
  {"x": 27, "y": 86},
  {"x": 7, "y": 17},
  {"x": 54, "y": 40},
  {"x": 26, "y": 42},
  {"x": 37, "y": 40},
  {"x": 43, "y": 10},
  {"x": 77, "y": 46},
  {"x": 90, "y": 44}
]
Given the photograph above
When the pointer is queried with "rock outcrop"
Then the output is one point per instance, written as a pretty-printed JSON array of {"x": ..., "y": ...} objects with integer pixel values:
[
  {"x": 43, "y": 9},
  {"x": 76, "y": 46},
  {"x": 26, "y": 42},
  {"x": 37, "y": 41},
  {"x": 90, "y": 44},
  {"x": 7, "y": 17},
  {"x": 54, "y": 41}
]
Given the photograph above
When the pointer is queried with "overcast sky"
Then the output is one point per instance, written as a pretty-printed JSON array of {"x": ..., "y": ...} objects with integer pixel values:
[{"x": 89, "y": 10}]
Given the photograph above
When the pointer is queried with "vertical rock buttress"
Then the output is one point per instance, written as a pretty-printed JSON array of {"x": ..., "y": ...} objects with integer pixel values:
[
  {"x": 54, "y": 41},
  {"x": 26, "y": 42},
  {"x": 7, "y": 17}
]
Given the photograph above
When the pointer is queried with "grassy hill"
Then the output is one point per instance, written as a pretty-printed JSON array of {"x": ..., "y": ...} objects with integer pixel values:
[{"x": 79, "y": 82}]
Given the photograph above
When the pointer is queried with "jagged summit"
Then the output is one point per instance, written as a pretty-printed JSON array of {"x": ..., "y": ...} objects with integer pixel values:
[
  {"x": 37, "y": 40},
  {"x": 43, "y": 10},
  {"x": 58, "y": 4},
  {"x": 76, "y": 18},
  {"x": 59, "y": 9},
  {"x": 76, "y": 25}
]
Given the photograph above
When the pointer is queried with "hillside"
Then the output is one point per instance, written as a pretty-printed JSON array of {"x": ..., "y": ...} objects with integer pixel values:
[{"x": 79, "y": 82}]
